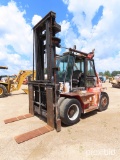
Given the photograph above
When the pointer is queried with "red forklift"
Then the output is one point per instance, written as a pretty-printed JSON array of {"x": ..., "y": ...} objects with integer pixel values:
[
  {"x": 66, "y": 85},
  {"x": 80, "y": 87}
]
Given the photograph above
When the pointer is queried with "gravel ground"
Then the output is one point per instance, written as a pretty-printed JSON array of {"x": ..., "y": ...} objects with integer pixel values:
[{"x": 95, "y": 137}]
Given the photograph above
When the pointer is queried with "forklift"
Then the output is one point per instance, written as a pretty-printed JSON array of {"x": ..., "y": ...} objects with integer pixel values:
[{"x": 66, "y": 85}]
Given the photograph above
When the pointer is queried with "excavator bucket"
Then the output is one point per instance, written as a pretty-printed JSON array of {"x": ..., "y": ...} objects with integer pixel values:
[
  {"x": 25, "y": 90},
  {"x": 3, "y": 67}
]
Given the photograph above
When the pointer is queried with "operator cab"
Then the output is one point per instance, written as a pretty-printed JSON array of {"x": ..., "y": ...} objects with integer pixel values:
[{"x": 76, "y": 71}]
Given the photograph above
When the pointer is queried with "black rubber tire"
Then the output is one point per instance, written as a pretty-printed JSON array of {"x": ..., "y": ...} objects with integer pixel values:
[
  {"x": 3, "y": 91},
  {"x": 60, "y": 100},
  {"x": 67, "y": 107},
  {"x": 104, "y": 102}
]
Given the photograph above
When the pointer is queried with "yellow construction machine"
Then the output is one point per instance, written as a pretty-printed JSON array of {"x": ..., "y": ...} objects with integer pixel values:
[
  {"x": 3, "y": 67},
  {"x": 116, "y": 81},
  {"x": 9, "y": 85},
  {"x": 110, "y": 79}
]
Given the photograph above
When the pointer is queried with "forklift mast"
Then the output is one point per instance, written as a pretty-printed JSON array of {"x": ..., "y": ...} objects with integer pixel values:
[
  {"x": 44, "y": 92},
  {"x": 45, "y": 44}
]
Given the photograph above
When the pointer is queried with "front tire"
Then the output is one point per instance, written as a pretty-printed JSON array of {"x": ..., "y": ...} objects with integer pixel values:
[
  {"x": 70, "y": 111},
  {"x": 3, "y": 91},
  {"x": 104, "y": 101},
  {"x": 60, "y": 100}
]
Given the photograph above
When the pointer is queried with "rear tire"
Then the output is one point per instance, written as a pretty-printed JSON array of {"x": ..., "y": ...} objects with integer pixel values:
[
  {"x": 3, "y": 91},
  {"x": 104, "y": 101},
  {"x": 70, "y": 111}
]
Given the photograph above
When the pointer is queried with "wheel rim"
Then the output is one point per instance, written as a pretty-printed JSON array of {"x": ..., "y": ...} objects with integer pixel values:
[
  {"x": 1, "y": 91},
  {"x": 104, "y": 101},
  {"x": 73, "y": 112}
]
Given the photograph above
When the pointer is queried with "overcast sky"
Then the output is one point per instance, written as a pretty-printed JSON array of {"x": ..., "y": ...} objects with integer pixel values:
[{"x": 88, "y": 24}]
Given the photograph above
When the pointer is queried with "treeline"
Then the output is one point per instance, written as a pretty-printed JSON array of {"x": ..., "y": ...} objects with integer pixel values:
[{"x": 108, "y": 74}]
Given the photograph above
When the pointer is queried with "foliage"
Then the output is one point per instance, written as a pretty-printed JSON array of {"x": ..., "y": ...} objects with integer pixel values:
[
  {"x": 101, "y": 73},
  {"x": 108, "y": 74},
  {"x": 114, "y": 73}
]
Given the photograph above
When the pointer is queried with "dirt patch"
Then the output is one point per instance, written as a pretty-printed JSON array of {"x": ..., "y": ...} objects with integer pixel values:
[{"x": 96, "y": 136}]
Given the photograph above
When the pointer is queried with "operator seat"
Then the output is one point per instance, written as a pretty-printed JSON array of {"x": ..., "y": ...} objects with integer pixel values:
[
  {"x": 81, "y": 81},
  {"x": 76, "y": 77}
]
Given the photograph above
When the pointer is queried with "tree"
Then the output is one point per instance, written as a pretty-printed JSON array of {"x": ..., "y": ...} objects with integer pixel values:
[
  {"x": 114, "y": 73},
  {"x": 107, "y": 73},
  {"x": 101, "y": 73}
]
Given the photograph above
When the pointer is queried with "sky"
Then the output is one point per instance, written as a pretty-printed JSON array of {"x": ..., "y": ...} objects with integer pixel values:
[{"x": 88, "y": 24}]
